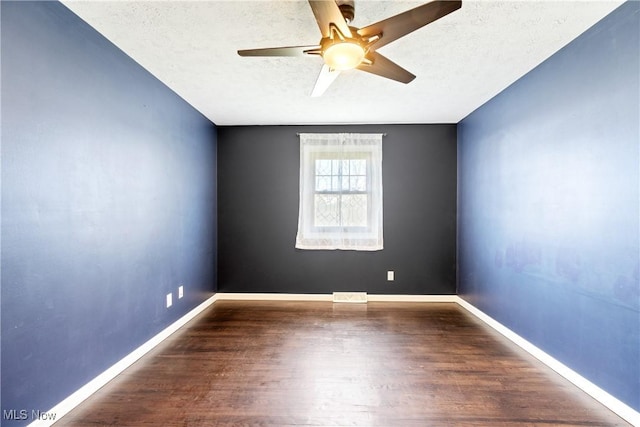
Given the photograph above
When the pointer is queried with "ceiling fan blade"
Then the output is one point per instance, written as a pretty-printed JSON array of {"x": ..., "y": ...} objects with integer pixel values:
[
  {"x": 281, "y": 51},
  {"x": 404, "y": 23},
  {"x": 384, "y": 67},
  {"x": 327, "y": 12},
  {"x": 325, "y": 78}
]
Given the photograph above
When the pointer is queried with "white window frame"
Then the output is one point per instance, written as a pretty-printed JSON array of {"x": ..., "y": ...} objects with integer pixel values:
[{"x": 340, "y": 147}]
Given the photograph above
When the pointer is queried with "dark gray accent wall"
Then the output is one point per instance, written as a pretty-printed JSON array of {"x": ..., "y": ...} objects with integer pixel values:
[
  {"x": 549, "y": 205},
  {"x": 258, "y": 177},
  {"x": 108, "y": 204}
]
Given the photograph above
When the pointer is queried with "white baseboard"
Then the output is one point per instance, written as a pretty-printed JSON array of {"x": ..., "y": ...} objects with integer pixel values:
[
  {"x": 64, "y": 407},
  {"x": 615, "y": 405},
  {"x": 329, "y": 297},
  {"x": 241, "y": 296},
  {"x": 412, "y": 298}
]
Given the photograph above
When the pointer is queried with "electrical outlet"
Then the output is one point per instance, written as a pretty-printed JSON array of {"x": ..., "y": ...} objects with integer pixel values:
[
  {"x": 180, "y": 291},
  {"x": 391, "y": 276},
  {"x": 169, "y": 300}
]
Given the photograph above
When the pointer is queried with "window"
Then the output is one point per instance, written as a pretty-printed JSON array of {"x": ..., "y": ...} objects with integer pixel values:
[{"x": 340, "y": 192}]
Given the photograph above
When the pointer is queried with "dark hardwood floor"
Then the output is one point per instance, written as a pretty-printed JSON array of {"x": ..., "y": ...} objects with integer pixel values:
[{"x": 322, "y": 364}]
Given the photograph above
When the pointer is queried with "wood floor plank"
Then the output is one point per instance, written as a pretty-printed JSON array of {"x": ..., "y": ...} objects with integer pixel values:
[{"x": 250, "y": 363}]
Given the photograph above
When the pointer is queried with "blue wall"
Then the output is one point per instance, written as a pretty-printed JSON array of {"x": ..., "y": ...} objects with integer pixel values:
[
  {"x": 108, "y": 204},
  {"x": 548, "y": 227}
]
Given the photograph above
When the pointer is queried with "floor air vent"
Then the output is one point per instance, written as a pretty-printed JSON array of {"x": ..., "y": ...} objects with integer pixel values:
[{"x": 354, "y": 297}]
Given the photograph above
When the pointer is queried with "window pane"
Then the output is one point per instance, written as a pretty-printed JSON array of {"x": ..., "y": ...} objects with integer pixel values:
[
  {"x": 354, "y": 210},
  {"x": 336, "y": 167},
  {"x": 345, "y": 167},
  {"x": 345, "y": 183},
  {"x": 323, "y": 167},
  {"x": 358, "y": 167},
  {"x": 335, "y": 183},
  {"x": 326, "y": 212},
  {"x": 323, "y": 183},
  {"x": 358, "y": 183}
]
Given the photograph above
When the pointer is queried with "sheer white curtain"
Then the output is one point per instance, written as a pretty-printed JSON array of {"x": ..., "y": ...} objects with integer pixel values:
[{"x": 340, "y": 192}]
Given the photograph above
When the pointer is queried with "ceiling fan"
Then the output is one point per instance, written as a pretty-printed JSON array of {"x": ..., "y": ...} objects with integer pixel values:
[{"x": 343, "y": 47}]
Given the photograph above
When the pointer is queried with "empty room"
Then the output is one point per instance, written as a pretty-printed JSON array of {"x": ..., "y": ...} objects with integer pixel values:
[{"x": 320, "y": 213}]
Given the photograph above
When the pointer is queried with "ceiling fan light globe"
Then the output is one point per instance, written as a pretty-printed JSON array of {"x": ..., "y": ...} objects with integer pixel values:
[{"x": 343, "y": 56}]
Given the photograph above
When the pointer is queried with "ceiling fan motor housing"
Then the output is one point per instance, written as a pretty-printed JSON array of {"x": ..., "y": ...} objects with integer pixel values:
[{"x": 347, "y": 8}]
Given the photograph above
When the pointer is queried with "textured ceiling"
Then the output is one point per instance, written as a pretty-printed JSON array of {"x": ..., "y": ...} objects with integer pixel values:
[{"x": 460, "y": 61}]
